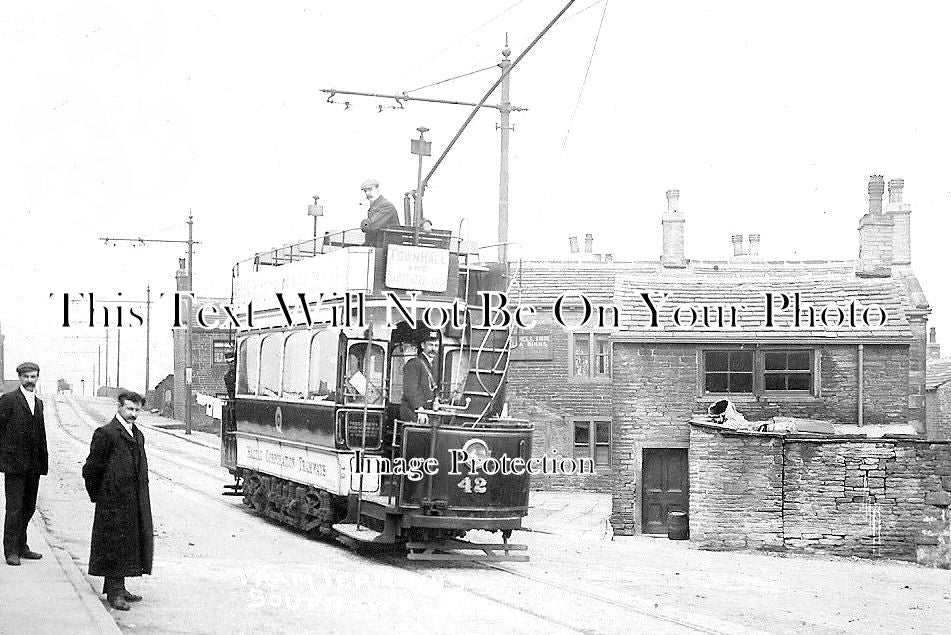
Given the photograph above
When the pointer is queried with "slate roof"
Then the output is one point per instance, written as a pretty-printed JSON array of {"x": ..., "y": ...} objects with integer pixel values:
[
  {"x": 938, "y": 372},
  {"x": 742, "y": 282}
]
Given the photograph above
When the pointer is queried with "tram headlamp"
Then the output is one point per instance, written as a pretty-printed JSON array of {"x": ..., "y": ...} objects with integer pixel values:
[{"x": 476, "y": 450}]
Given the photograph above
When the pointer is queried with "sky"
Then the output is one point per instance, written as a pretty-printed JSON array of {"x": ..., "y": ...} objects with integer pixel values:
[{"x": 118, "y": 118}]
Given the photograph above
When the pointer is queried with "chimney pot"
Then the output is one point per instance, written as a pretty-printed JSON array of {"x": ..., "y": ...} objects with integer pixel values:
[
  {"x": 754, "y": 244},
  {"x": 932, "y": 336},
  {"x": 673, "y": 200},
  {"x": 876, "y": 190},
  {"x": 895, "y": 187},
  {"x": 573, "y": 243},
  {"x": 737, "y": 244},
  {"x": 610, "y": 258},
  {"x": 181, "y": 263},
  {"x": 588, "y": 243}
]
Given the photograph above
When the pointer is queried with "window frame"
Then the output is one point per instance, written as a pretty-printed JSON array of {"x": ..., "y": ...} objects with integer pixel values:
[
  {"x": 592, "y": 445},
  {"x": 591, "y": 375},
  {"x": 759, "y": 371},
  {"x": 225, "y": 347}
]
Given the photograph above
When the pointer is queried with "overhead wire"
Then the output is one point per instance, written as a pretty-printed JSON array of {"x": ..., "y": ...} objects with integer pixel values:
[
  {"x": 443, "y": 81},
  {"x": 560, "y": 23},
  {"x": 460, "y": 39},
  {"x": 584, "y": 81}
]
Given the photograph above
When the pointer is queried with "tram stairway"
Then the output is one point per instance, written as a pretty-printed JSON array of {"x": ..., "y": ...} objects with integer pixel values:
[{"x": 489, "y": 348}]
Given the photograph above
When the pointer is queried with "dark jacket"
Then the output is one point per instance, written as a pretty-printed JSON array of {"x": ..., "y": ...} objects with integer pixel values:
[
  {"x": 380, "y": 215},
  {"x": 117, "y": 480},
  {"x": 22, "y": 436},
  {"x": 418, "y": 387}
]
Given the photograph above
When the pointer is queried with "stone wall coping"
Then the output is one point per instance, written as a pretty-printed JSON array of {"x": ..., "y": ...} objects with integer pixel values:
[{"x": 796, "y": 437}]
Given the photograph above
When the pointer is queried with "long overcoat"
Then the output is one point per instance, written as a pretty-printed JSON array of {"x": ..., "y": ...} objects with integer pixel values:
[
  {"x": 22, "y": 436},
  {"x": 117, "y": 480}
]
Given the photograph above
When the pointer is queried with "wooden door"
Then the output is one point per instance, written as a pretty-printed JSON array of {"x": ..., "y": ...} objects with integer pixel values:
[{"x": 664, "y": 487}]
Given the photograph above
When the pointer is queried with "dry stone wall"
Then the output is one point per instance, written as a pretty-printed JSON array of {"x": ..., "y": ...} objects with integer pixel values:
[{"x": 871, "y": 498}]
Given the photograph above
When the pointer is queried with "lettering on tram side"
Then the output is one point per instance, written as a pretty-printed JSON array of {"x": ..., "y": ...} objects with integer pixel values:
[{"x": 311, "y": 467}]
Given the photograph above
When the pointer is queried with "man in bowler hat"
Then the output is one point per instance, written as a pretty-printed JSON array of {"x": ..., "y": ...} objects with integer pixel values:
[
  {"x": 117, "y": 480},
  {"x": 23, "y": 459}
]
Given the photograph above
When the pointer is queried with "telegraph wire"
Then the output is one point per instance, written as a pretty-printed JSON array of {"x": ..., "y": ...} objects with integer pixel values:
[
  {"x": 460, "y": 39},
  {"x": 584, "y": 81}
]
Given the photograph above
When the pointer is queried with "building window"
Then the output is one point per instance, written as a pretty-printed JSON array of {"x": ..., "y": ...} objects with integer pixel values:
[
  {"x": 758, "y": 371},
  {"x": 593, "y": 441},
  {"x": 787, "y": 370},
  {"x": 728, "y": 371},
  {"x": 590, "y": 355},
  {"x": 220, "y": 348}
]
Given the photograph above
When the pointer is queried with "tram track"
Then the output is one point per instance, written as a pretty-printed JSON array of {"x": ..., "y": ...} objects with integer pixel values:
[{"x": 83, "y": 415}]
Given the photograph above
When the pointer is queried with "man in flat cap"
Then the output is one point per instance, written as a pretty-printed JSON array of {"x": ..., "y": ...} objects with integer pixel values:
[
  {"x": 380, "y": 215},
  {"x": 23, "y": 459},
  {"x": 419, "y": 383}
]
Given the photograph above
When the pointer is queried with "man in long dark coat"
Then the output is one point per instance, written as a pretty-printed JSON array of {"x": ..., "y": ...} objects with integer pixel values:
[
  {"x": 380, "y": 215},
  {"x": 23, "y": 459},
  {"x": 117, "y": 480},
  {"x": 419, "y": 383}
]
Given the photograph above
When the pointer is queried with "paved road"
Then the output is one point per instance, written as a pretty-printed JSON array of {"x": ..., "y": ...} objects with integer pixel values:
[{"x": 219, "y": 568}]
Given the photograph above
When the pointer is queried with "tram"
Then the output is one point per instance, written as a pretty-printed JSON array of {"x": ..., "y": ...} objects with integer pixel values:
[{"x": 313, "y": 434}]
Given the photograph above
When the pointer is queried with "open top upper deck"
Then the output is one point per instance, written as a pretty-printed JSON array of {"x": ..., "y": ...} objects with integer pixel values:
[{"x": 433, "y": 263}]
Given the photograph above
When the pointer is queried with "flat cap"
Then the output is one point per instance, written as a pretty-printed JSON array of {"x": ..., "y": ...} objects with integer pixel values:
[
  {"x": 370, "y": 183},
  {"x": 27, "y": 367}
]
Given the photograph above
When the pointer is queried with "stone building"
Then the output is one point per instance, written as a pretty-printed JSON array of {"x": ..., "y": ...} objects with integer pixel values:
[
  {"x": 938, "y": 391},
  {"x": 839, "y": 341},
  {"x": 208, "y": 348}
]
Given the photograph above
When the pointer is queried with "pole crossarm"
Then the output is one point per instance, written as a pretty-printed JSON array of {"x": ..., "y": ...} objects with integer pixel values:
[
  {"x": 147, "y": 240},
  {"x": 405, "y": 97}
]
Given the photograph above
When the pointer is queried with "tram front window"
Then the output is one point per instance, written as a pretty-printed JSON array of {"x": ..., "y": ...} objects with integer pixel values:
[{"x": 365, "y": 367}]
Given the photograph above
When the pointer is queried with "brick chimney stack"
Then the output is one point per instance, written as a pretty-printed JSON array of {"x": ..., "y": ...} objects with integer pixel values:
[
  {"x": 588, "y": 243},
  {"x": 738, "y": 245},
  {"x": 934, "y": 349},
  {"x": 900, "y": 213},
  {"x": 875, "y": 234},
  {"x": 573, "y": 244},
  {"x": 672, "y": 223}
]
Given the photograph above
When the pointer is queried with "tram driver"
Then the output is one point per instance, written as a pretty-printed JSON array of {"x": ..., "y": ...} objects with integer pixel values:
[{"x": 419, "y": 384}]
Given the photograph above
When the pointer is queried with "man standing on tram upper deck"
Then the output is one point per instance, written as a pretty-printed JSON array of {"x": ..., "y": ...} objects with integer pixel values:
[
  {"x": 419, "y": 385},
  {"x": 380, "y": 215}
]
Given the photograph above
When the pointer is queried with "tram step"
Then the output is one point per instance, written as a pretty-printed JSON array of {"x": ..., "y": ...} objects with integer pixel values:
[{"x": 361, "y": 534}]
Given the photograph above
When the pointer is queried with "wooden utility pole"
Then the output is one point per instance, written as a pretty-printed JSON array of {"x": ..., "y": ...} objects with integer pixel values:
[
  {"x": 188, "y": 324},
  {"x": 505, "y": 108}
]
